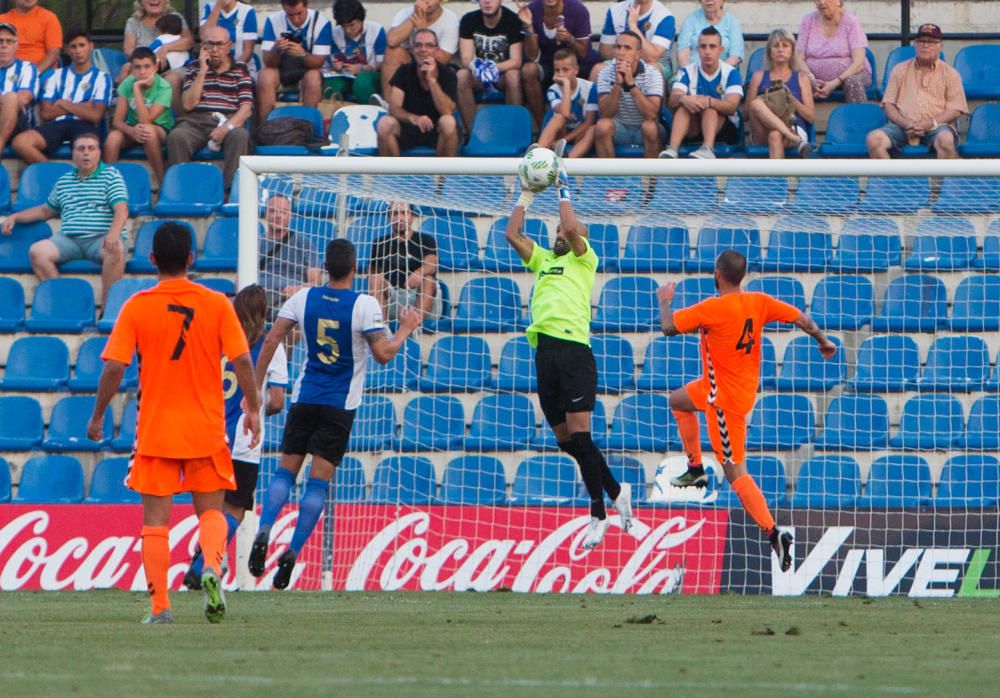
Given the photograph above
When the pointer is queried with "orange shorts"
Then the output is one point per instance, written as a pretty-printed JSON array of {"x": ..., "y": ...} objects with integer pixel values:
[
  {"x": 165, "y": 476},
  {"x": 727, "y": 430}
]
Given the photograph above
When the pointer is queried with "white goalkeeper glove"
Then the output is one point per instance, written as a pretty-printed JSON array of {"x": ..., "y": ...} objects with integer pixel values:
[{"x": 525, "y": 199}]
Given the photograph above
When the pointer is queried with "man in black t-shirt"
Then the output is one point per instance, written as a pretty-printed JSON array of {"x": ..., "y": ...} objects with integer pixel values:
[
  {"x": 489, "y": 44},
  {"x": 403, "y": 267},
  {"x": 421, "y": 98}
]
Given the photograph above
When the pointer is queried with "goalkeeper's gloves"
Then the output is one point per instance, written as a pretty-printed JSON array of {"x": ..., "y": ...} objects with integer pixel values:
[
  {"x": 525, "y": 199},
  {"x": 485, "y": 71},
  {"x": 562, "y": 182}
]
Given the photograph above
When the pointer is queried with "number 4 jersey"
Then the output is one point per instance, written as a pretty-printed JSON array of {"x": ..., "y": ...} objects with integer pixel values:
[
  {"x": 731, "y": 328},
  {"x": 334, "y": 322}
]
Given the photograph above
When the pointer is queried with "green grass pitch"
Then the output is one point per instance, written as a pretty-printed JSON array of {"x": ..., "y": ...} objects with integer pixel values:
[{"x": 498, "y": 644}]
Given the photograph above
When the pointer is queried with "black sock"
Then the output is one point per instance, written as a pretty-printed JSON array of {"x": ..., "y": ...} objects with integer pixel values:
[{"x": 596, "y": 476}]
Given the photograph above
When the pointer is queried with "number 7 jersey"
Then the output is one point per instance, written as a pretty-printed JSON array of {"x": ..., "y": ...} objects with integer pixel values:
[
  {"x": 731, "y": 327},
  {"x": 334, "y": 323}
]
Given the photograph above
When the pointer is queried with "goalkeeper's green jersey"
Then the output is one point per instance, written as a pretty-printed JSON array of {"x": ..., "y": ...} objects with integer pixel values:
[{"x": 560, "y": 304}]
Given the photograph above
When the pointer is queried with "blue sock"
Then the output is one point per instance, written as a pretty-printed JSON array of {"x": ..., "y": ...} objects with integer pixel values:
[
  {"x": 277, "y": 494},
  {"x": 197, "y": 564},
  {"x": 310, "y": 508}
]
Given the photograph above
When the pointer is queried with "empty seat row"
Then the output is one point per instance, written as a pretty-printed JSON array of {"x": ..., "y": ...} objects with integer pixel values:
[{"x": 22, "y": 427}]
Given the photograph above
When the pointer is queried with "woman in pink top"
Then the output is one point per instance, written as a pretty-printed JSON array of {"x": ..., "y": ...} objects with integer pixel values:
[{"x": 832, "y": 47}]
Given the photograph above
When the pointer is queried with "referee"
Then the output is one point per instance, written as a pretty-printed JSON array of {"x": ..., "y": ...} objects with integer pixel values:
[{"x": 560, "y": 333}]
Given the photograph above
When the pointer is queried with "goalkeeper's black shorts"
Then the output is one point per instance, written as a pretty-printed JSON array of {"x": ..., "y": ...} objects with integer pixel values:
[{"x": 567, "y": 378}]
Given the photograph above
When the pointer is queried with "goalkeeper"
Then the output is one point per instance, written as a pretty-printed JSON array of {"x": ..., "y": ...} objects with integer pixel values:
[{"x": 560, "y": 333}]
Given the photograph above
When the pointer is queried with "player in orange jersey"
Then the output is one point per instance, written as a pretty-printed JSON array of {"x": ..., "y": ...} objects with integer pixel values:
[
  {"x": 731, "y": 325},
  {"x": 180, "y": 331}
]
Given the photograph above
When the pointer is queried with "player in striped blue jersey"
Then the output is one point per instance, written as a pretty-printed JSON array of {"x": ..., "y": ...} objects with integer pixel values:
[
  {"x": 340, "y": 328},
  {"x": 240, "y": 20},
  {"x": 18, "y": 86}
]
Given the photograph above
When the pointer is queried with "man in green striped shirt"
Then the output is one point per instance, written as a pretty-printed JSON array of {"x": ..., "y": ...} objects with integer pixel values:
[
  {"x": 93, "y": 204},
  {"x": 560, "y": 333}
]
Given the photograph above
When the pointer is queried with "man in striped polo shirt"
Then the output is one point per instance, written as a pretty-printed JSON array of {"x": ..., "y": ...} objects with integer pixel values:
[
  {"x": 629, "y": 95},
  {"x": 218, "y": 99},
  {"x": 93, "y": 204},
  {"x": 74, "y": 100},
  {"x": 18, "y": 86}
]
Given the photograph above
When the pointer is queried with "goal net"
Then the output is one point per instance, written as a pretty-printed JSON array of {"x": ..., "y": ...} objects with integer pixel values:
[{"x": 882, "y": 461}]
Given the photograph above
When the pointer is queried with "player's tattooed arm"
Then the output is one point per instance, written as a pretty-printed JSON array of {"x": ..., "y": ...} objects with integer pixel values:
[
  {"x": 809, "y": 326},
  {"x": 664, "y": 295},
  {"x": 384, "y": 349}
]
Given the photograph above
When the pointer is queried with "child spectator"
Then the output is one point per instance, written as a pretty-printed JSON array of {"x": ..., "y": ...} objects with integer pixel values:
[
  {"x": 573, "y": 103},
  {"x": 170, "y": 29}
]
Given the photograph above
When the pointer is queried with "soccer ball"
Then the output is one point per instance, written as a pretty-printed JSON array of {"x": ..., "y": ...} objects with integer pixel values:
[{"x": 538, "y": 169}]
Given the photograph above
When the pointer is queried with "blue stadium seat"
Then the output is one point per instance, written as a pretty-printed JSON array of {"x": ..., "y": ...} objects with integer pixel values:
[
  {"x": 804, "y": 368},
  {"x": 930, "y": 422},
  {"x": 68, "y": 426},
  {"x": 137, "y": 182},
  {"x": 124, "y": 442},
  {"x": 897, "y": 481},
  {"x": 4, "y": 481},
  {"x": 295, "y": 111},
  {"x": 399, "y": 375},
  {"x": 21, "y": 423},
  {"x": 50, "y": 480},
  {"x": 457, "y": 192},
  {"x": 502, "y": 130},
  {"x": 762, "y": 196},
  {"x": 722, "y": 233},
  {"x": 349, "y": 481},
  {"x": 983, "y": 432},
  {"x": 473, "y": 479},
  {"x": 190, "y": 189},
  {"x": 403, "y": 480},
  {"x": 107, "y": 484},
  {"x": 913, "y": 303},
  {"x": 14, "y": 247},
  {"x": 139, "y": 263},
  {"x": 670, "y": 363},
  {"x": 960, "y": 363},
  {"x": 977, "y": 305},
  {"x": 318, "y": 199},
  {"x": 643, "y": 422},
  {"x": 969, "y": 481},
  {"x": 221, "y": 245},
  {"x": 968, "y": 195},
  {"x": 458, "y": 248},
  {"x": 847, "y": 130},
  {"x": 768, "y": 365},
  {"x": 819, "y": 195},
  {"x": 655, "y": 248},
  {"x": 603, "y": 238},
  {"x": 943, "y": 244},
  {"x": 362, "y": 231},
  {"x": 769, "y": 474},
  {"x": 500, "y": 256},
  {"x": 694, "y": 195},
  {"x": 36, "y": 183},
  {"x": 886, "y": 364},
  {"x": 488, "y": 304},
  {"x": 990, "y": 259},
  {"x": 827, "y": 482},
  {"x": 457, "y": 364},
  {"x": 627, "y": 304},
  {"x": 629, "y": 470},
  {"x": 62, "y": 305},
  {"x": 979, "y": 67},
  {"x": 843, "y": 302},
  {"x": 897, "y": 56},
  {"x": 615, "y": 363},
  {"x": 516, "y": 370},
  {"x": 867, "y": 245},
  {"x": 798, "y": 243},
  {"x": 854, "y": 422},
  {"x": 784, "y": 288},
  {"x": 607, "y": 197},
  {"x": 374, "y": 425},
  {"x": 545, "y": 480},
  {"x": 545, "y": 440},
  {"x": 121, "y": 291},
  {"x": 226, "y": 287},
  {"x": 503, "y": 422},
  {"x": 4, "y": 192},
  {"x": 36, "y": 364},
  {"x": 690, "y": 291},
  {"x": 983, "y": 140},
  {"x": 432, "y": 423},
  {"x": 11, "y": 305},
  {"x": 781, "y": 422}
]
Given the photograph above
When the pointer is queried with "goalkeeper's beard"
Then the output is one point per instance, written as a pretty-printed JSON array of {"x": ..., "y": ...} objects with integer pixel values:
[{"x": 560, "y": 247}]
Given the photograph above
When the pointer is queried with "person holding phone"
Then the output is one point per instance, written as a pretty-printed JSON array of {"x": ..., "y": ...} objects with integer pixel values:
[{"x": 297, "y": 42}]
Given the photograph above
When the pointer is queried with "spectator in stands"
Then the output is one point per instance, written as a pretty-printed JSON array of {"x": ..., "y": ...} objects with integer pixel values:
[
  {"x": 547, "y": 26},
  {"x": 74, "y": 100},
  {"x": 490, "y": 48},
  {"x": 705, "y": 99},
  {"x": 93, "y": 204},
  {"x": 288, "y": 260},
  {"x": 573, "y": 108},
  {"x": 40, "y": 36},
  {"x": 712, "y": 13},
  {"x": 297, "y": 42},
  {"x": 425, "y": 14},
  {"x": 218, "y": 101},
  {"x": 786, "y": 129},
  {"x": 923, "y": 99},
  {"x": 403, "y": 268},
  {"x": 359, "y": 46},
  {"x": 240, "y": 20},
  {"x": 421, "y": 102},
  {"x": 832, "y": 46},
  {"x": 143, "y": 114},
  {"x": 651, "y": 21},
  {"x": 18, "y": 86},
  {"x": 170, "y": 28},
  {"x": 140, "y": 30},
  {"x": 629, "y": 96}
]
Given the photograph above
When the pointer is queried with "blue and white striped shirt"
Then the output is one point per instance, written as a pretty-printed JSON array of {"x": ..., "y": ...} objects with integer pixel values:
[
  {"x": 19, "y": 76},
  {"x": 92, "y": 86},
  {"x": 86, "y": 204}
]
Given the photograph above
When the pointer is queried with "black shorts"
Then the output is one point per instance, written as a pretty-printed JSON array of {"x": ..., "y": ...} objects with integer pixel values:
[
  {"x": 317, "y": 429},
  {"x": 567, "y": 378},
  {"x": 246, "y": 484},
  {"x": 23, "y": 124},
  {"x": 410, "y": 136},
  {"x": 56, "y": 133}
]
